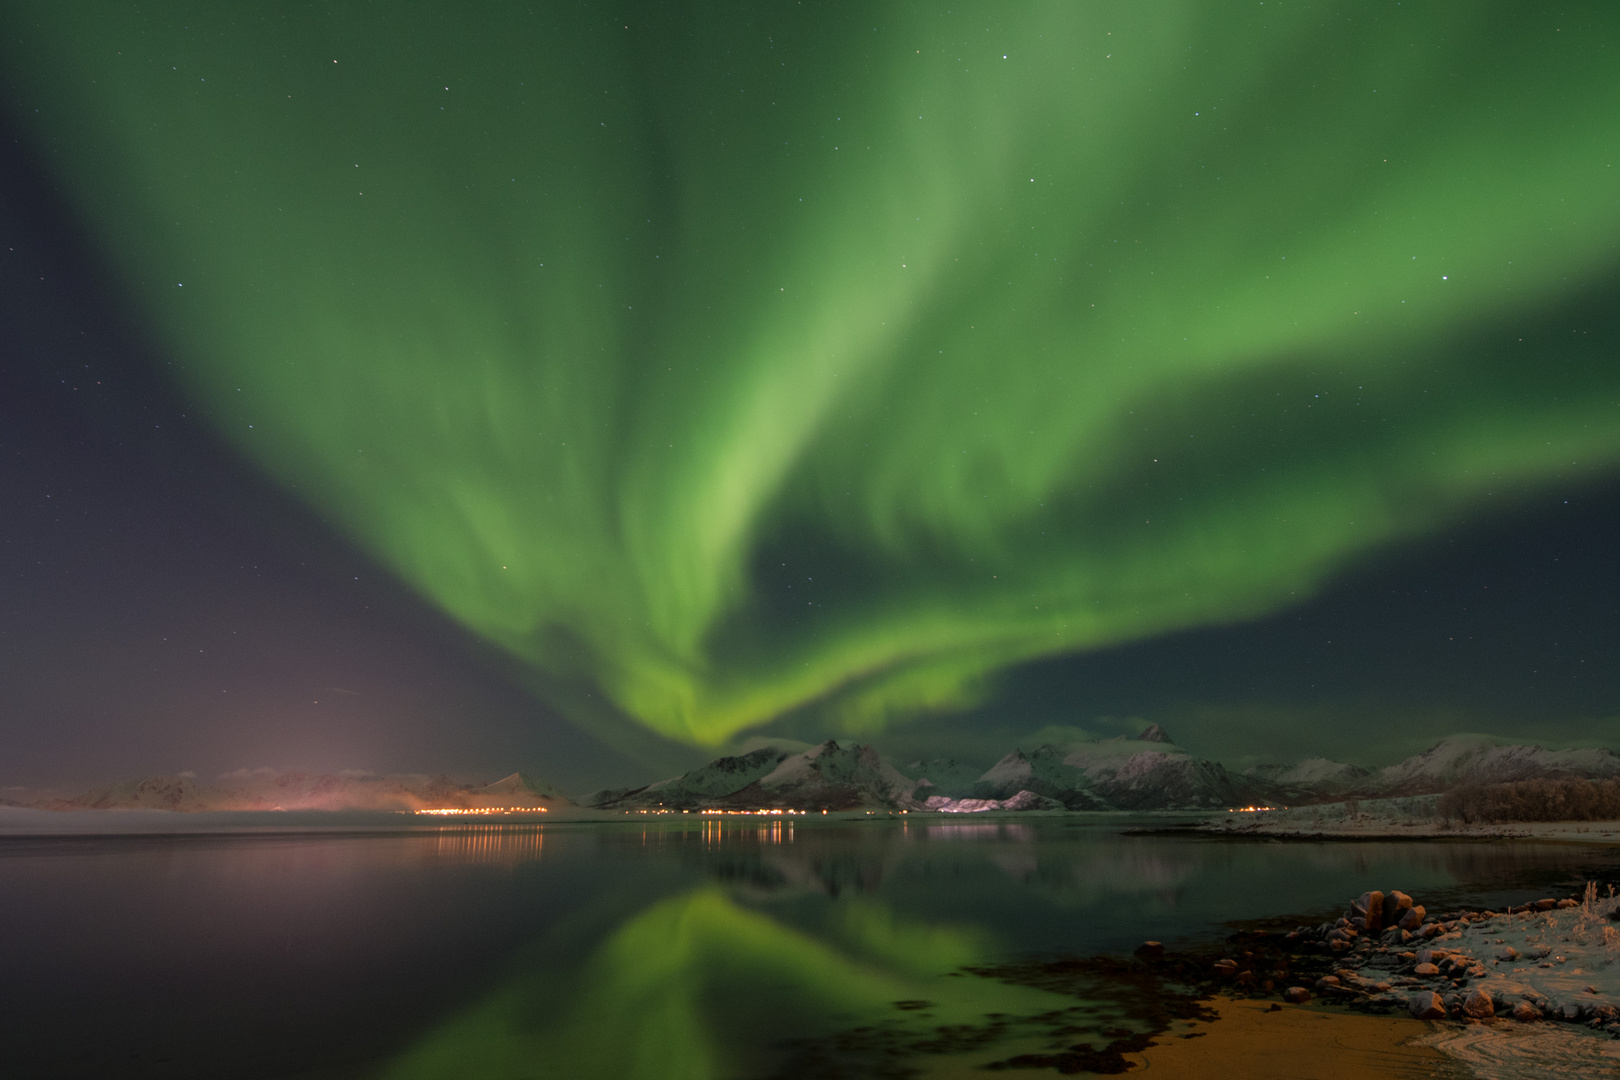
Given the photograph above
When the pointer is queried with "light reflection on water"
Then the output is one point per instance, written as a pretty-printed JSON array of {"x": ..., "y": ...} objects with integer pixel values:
[
  {"x": 677, "y": 948},
  {"x": 491, "y": 845}
]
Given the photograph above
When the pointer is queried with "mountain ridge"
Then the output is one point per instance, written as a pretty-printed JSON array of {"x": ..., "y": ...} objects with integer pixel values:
[{"x": 1143, "y": 773}]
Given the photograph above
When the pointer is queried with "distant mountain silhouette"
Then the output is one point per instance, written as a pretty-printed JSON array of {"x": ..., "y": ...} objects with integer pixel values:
[{"x": 1145, "y": 772}]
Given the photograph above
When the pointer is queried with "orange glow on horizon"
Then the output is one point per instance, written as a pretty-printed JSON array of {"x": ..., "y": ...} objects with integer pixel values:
[{"x": 484, "y": 811}]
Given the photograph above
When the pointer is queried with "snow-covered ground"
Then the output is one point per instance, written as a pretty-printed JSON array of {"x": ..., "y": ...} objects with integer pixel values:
[
  {"x": 1416, "y": 816},
  {"x": 1522, "y": 994}
]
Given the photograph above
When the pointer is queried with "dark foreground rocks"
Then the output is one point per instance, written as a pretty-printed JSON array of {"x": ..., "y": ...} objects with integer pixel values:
[{"x": 1388, "y": 953}]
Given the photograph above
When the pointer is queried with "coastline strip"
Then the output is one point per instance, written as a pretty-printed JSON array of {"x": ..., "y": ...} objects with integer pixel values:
[{"x": 1257, "y": 1042}]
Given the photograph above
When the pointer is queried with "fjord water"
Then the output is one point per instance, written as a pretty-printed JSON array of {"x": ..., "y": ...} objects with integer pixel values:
[{"x": 657, "y": 948}]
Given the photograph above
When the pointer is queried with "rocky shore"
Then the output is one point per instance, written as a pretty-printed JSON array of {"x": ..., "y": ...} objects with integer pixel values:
[
  {"x": 1538, "y": 982},
  {"x": 1550, "y": 960}
]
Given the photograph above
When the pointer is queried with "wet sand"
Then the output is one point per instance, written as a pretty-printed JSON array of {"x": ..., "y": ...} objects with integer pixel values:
[{"x": 1299, "y": 1042}]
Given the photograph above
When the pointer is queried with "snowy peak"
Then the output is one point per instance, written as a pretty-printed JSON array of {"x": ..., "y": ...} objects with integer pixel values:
[
  {"x": 830, "y": 777},
  {"x": 1154, "y": 733}
]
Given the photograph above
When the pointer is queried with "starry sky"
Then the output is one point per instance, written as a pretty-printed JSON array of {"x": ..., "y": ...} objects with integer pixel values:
[{"x": 588, "y": 387}]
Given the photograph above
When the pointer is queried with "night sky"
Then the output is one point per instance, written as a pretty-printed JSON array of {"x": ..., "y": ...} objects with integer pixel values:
[{"x": 588, "y": 387}]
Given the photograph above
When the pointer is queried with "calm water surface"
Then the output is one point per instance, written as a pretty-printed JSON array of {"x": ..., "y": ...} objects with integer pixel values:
[{"x": 692, "y": 949}]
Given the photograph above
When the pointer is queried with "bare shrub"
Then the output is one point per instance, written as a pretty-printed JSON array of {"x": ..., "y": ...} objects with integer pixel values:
[{"x": 1534, "y": 800}]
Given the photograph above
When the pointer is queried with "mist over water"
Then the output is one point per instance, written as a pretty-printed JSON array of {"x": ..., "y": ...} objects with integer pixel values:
[{"x": 698, "y": 949}]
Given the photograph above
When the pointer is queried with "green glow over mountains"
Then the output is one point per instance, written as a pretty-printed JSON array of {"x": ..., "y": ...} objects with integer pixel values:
[{"x": 725, "y": 361}]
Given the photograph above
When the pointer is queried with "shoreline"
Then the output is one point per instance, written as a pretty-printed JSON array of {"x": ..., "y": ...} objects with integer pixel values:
[
  {"x": 1262, "y": 1041},
  {"x": 1390, "y": 989},
  {"x": 1305, "y": 823}
]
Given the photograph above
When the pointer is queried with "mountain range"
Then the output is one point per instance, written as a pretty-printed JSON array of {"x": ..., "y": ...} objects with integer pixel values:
[
  {"x": 265, "y": 789},
  {"x": 1144, "y": 772}
]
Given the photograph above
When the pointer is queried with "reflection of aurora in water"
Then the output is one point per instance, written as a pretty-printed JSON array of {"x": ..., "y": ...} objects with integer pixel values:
[
  {"x": 696, "y": 948},
  {"x": 724, "y": 361},
  {"x": 699, "y": 987},
  {"x": 748, "y": 980}
]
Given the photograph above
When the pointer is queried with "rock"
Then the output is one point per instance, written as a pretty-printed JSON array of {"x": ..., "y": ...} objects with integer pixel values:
[
  {"x": 1507, "y": 952},
  {"x": 1396, "y": 903},
  {"x": 1545, "y": 905},
  {"x": 1326, "y": 981},
  {"x": 1411, "y": 918},
  {"x": 1569, "y": 903},
  {"x": 1226, "y": 968},
  {"x": 1296, "y": 995},
  {"x": 1150, "y": 950},
  {"x": 1479, "y": 1004},
  {"x": 1426, "y": 1005},
  {"x": 1524, "y": 1011},
  {"x": 1371, "y": 907},
  {"x": 1426, "y": 971}
]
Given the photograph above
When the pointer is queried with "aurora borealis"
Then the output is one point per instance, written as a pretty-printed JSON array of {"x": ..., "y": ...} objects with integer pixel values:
[{"x": 722, "y": 362}]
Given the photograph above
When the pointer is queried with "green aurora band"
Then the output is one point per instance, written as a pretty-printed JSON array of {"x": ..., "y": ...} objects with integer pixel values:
[{"x": 722, "y": 361}]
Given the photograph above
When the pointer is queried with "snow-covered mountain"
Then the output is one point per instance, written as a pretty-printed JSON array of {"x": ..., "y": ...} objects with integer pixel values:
[
  {"x": 825, "y": 777},
  {"x": 1043, "y": 771},
  {"x": 1450, "y": 763},
  {"x": 1480, "y": 759},
  {"x": 943, "y": 777},
  {"x": 829, "y": 777},
  {"x": 1147, "y": 772},
  {"x": 697, "y": 789}
]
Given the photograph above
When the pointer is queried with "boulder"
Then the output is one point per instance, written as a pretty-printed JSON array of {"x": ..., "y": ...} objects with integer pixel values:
[
  {"x": 1396, "y": 903},
  {"x": 1224, "y": 967},
  {"x": 1426, "y": 971},
  {"x": 1524, "y": 1011},
  {"x": 1479, "y": 1004},
  {"x": 1370, "y": 906},
  {"x": 1507, "y": 952},
  {"x": 1426, "y": 1005},
  {"x": 1296, "y": 995},
  {"x": 1150, "y": 950},
  {"x": 1411, "y": 918},
  {"x": 1569, "y": 903}
]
